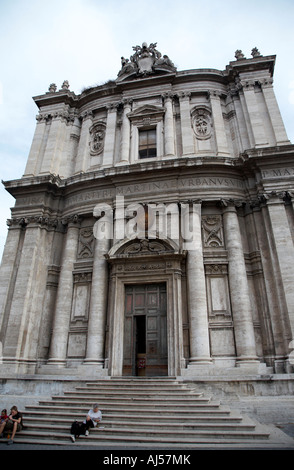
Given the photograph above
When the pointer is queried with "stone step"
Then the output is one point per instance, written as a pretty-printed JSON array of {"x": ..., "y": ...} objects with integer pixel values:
[
  {"x": 143, "y": 397},
  {"x": 112, "y": 420},
  {"x": 135, "y": 435},
  {"x": 119, "y": 405},
  {"x": 64, "y": 425},
  {"x": 78, "y": 411},
  {"x": 148, "y": 413},
  {"x": 135, "y": 390},
  {"x": 133, "y": 445}
]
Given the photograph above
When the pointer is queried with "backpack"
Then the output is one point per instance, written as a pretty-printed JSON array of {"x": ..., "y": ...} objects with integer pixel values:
[{"x": 77, "y": 428}]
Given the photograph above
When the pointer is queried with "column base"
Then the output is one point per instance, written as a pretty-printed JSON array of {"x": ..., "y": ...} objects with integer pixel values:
[
  {"x": 228, "y": 367},
  {"x": 93, "y": 362},
  {"x": 58, "y": 363}
]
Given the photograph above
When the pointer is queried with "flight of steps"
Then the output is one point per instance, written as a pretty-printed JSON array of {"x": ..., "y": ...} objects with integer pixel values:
[{"x": 138, "y": 412}]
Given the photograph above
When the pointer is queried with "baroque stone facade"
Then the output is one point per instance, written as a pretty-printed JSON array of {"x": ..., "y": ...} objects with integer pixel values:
[{"x": 152, "y": 232}]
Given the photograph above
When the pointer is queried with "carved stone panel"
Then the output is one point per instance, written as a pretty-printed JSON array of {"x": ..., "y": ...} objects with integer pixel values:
[
  {"x": 97, "y": 137},
  {"x": 76, "y": 345},
  {"x": 86, "y": 243},
  {"x": 217, "y": 291},
  {"x": 81, "y": 296},
  {"x": 201, "y": 121},
  {"x": 212, "y": 231}
]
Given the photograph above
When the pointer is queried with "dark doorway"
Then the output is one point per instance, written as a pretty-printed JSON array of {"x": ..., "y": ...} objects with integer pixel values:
[
  {"x": 145, "y": 330},
  {"x": 139, "y": 366}
]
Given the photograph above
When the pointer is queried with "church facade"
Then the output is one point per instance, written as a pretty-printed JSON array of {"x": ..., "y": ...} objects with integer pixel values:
[{"x": 152, "y": 232}]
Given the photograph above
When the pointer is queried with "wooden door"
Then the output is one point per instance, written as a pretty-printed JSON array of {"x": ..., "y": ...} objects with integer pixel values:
[{"x": 145, "y": 330}]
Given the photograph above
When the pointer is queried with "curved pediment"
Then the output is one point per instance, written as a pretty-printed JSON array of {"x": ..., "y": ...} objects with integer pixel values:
[
  {"x": 142, "y": 247},
  {"x": 146, "y": 247}
]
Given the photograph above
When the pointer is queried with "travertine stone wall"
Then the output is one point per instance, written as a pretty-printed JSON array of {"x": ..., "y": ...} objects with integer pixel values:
[{"x": 223, "y": 174}]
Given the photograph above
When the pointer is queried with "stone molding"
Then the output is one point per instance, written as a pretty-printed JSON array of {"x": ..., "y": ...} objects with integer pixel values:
[{"x": 50, "y": 223}]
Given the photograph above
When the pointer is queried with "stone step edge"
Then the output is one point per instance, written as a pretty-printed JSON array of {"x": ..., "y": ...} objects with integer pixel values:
[
  {"x": 171, "y": 394},
  {"x": 200, "y": 408},
  {"x": 230, "y": 444},
  {"x": 99, "y": 436},
  {"x": 148, "y": 427},
  {"x": 131, "y": 399},
  {"x": 128, "y": 418}
]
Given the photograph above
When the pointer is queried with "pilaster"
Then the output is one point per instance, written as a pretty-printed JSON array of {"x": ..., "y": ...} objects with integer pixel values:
[
  {"x": 83, "y": 154},
  {"x": 109, "y": 144},
  {"x": 169, "y": 132},
  {"x": 186, "y": 125},
  {"x": 21, "y": 328},
  {"x": 35, "y": 150},
  {"x": 126, "y": 132},
  {"x": 284, "y": 248},
  {"x": 55, "y": 145},
  {"x": 219, "y": 125},
  {"x": 274, "y": 112},
  {"x": 254, "y": 115}
]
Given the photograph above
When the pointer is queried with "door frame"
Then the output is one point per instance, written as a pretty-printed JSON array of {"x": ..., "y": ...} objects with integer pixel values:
[
  {"x": 166, "y": 266},
  {"x": 133, "y": 330}
]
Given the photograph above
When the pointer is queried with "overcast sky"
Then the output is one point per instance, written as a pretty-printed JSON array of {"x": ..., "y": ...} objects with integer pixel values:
[{"x": 82, "y": 41}]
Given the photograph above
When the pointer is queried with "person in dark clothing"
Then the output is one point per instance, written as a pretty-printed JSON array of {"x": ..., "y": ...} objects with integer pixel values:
[{"x": 14, "y": 424}]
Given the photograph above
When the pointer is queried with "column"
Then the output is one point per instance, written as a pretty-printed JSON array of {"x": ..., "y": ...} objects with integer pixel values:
[
  {"x": 126, "y": 133},
  {"x": 109, "y": 144},
  {"x": 83, "y": 154},
  {"x": 283, "y": 242},
  {"x": 169, "y": 133},
  {"x": 239, "y": 291},
  {"x": 219, "y": 125},
  {"x": 255, "y": 117},
  {"x": 58, "y": 347},
  {"x": 274, "y": 112},
  {"x": 197, "y": 300},
  {"x": 98, "y": 304},
  {"x": 186, "y": 126}
]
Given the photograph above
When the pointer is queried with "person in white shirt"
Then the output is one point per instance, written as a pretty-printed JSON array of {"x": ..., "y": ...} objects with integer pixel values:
[{"x": 94, "y": 417}]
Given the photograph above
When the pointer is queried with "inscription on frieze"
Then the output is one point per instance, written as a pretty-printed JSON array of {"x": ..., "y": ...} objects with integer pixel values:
[
  {"x": 201, "y": 182},
  {"x": 277, "y": 172}
]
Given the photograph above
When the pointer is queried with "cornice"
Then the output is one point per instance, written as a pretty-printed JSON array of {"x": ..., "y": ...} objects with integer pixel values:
[
  {"x": 267, "y": 156},
  {"x": 114, "y": 90},
  {"x": 251, "y": 65}
]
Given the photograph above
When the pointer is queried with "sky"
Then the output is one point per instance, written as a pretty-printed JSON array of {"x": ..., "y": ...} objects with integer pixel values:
[{"x": 82, "y": 41}]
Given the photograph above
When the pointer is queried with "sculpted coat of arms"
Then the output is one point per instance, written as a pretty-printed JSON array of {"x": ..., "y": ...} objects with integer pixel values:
[
  {"x": 97, "y": 133},
  {"x": 145, "y": 60}
]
